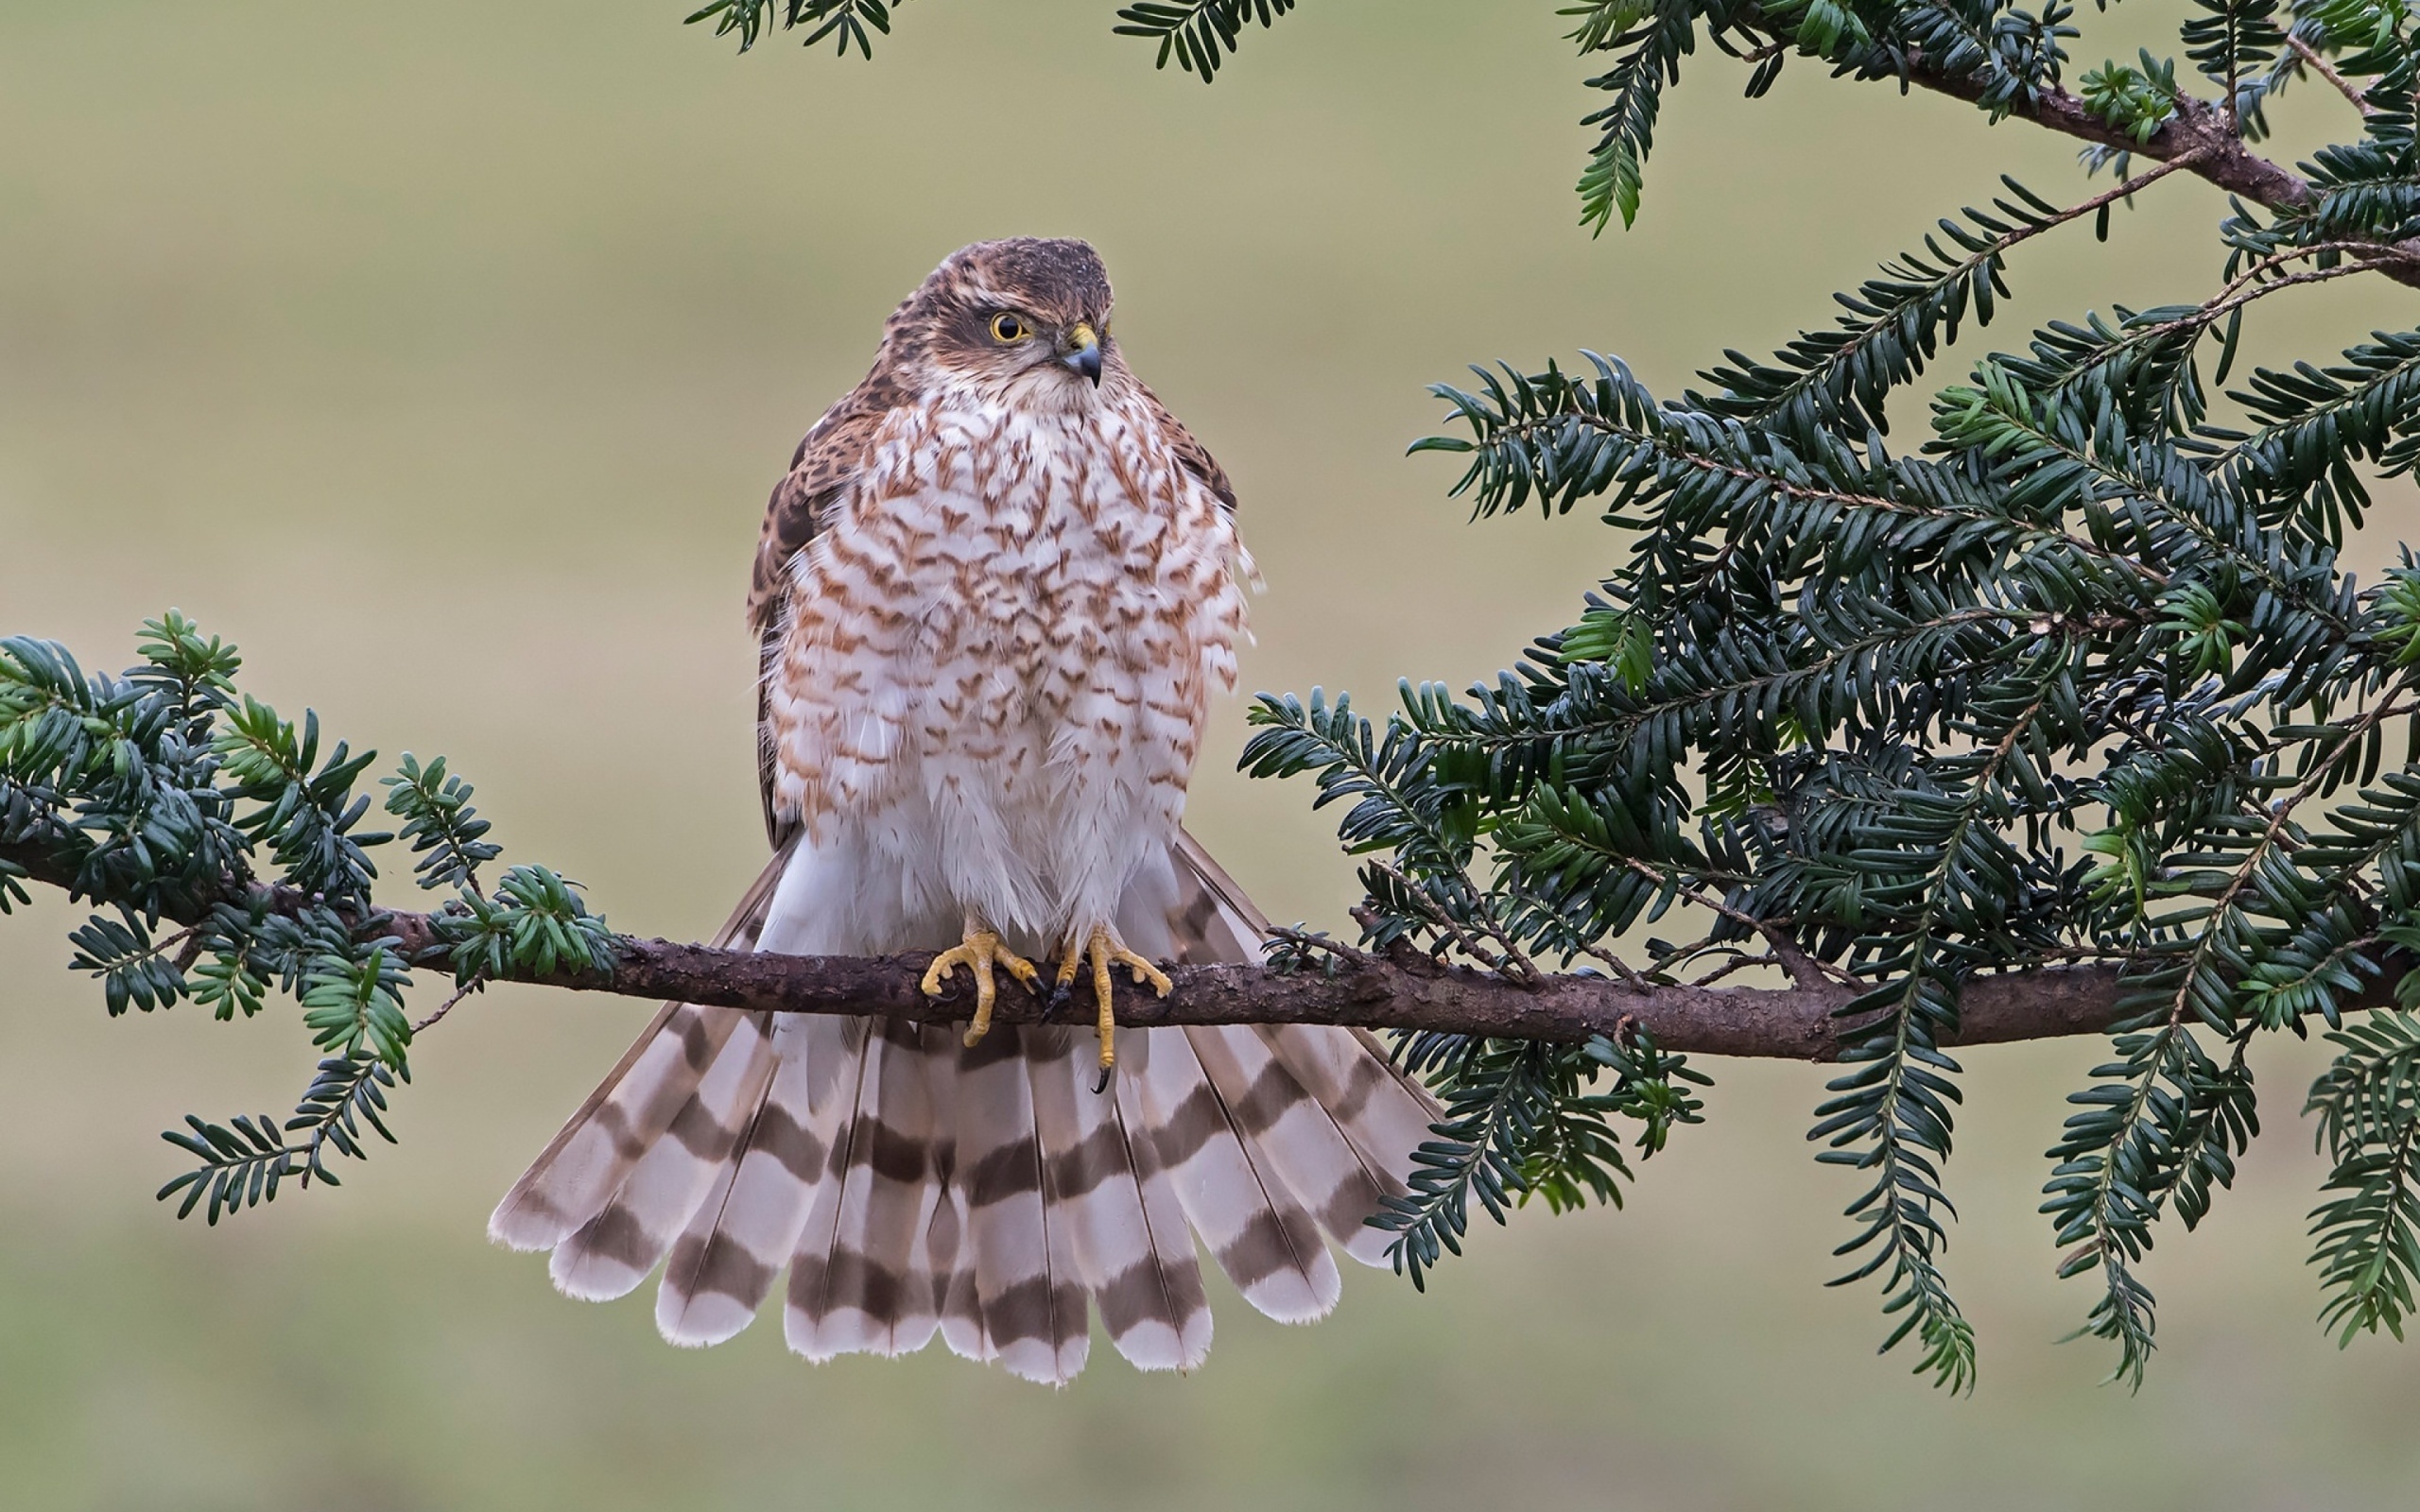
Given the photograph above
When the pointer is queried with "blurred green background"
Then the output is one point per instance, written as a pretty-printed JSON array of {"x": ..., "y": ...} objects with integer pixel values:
[{"x": 441, "y": 354}]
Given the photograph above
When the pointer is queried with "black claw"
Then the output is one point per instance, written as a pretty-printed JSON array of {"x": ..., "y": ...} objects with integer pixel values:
[{"x": 1101, "y": 1086}]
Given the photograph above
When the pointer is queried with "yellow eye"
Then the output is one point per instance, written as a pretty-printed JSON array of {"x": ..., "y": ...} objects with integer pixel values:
[{"x": 1010, "y": 328}]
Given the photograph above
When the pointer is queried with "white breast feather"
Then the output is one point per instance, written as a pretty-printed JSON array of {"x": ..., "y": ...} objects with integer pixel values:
[{"x": 993, "y": 686}]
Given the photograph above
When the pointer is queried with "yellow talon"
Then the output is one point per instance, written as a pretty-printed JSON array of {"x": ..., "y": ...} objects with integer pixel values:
[
  {"x": 1106, "y": 953},
  {"x": 980, "y": 951}
]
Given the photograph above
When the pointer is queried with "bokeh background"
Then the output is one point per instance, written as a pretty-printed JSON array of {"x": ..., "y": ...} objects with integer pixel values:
[{"x": 441, "y": 354}]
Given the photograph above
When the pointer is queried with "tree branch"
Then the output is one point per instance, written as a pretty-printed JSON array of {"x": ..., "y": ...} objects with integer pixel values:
[
  {"x": 1795, "y": 1022},
  {"x": 2197, "y": 132},
  {"x": 1406, "y": 991}
]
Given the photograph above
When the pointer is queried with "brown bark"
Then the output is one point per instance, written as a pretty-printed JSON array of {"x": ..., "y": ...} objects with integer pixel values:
[
  {"x": 2197, "y": 131},
  {"x": 1405, "y": 993},
  {"x": 1794, "y": 1023}
]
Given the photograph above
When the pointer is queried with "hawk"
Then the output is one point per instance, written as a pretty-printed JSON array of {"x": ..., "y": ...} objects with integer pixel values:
[{"x": 994, "y": 594}]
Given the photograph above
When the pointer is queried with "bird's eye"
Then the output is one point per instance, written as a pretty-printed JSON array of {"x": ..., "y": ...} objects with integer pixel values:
[{"x": 1009, "y": 328}]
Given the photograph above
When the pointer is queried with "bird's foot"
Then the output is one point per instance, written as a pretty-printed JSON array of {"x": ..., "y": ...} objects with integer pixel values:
[
  {"x": 978, "y": 953},
  {"x": 1104, "y": 951}
]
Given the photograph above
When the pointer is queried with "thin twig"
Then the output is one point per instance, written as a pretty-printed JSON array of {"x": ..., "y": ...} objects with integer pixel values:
[
  {"x": 1803, "y": 969},
  {"x": 1311, "y": 939},
  {"x": 2320, "y": 65},
  {"x": 2123, "y": 191},
  {"x": 474, "y": 984},
  {"x": 1739, "y": 962},
  {"x": 1621, "y": 968},
  {"x": 1526, "y": 970}
]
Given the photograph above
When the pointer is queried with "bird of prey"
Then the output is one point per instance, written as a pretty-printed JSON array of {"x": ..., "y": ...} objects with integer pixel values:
[{"x": 994, "y": 595}]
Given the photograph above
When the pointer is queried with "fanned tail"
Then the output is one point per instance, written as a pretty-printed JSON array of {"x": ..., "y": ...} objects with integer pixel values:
[
  {"x": 912, "y": 1186},
  {"x": 630, "y": 1111}
]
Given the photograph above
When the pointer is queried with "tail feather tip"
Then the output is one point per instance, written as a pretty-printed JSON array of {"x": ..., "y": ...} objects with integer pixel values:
[
  {"x": 515, "y": 1230},
  {"x": 700, "y": 1322}
]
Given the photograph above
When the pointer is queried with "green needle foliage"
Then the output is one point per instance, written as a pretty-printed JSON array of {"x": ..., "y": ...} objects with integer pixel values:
[
  {"x": 847, "y": 22},
  {"x": 2368, "y": 1108},
  {"x": 1198, "y": 33},
  {"x": 2075, "y": 677},
  {"x": 225, "y": 853},
  {"x": 1522, "y": 1120}
]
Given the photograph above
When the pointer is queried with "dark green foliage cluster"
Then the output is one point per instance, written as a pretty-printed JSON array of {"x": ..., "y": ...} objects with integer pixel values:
[
  {"x": 2368, "y": 1108},
  {"x": 1523, "y": 1119},
  {"x": 2075, "y": 678},
  {"x": 225, "y": 853},
  {"x": 848, "y": 22},
  {"x": 1197, "y": 34}
]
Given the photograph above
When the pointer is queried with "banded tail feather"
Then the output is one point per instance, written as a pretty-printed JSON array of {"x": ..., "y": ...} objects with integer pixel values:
[
  {"x": 585, "y": 1162},
  {"x": 911, "y": 1186}
]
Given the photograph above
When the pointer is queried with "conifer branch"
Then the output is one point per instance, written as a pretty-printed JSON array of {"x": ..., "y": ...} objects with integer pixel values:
[
  {"x": 2197, "y": 136},
  {"x": 1404, "y": 989}
]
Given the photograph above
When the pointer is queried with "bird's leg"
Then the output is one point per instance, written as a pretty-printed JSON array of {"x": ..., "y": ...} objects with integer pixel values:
[
  {"x": 1106, "y": 952},
  {"x": 978, "y": 953}
]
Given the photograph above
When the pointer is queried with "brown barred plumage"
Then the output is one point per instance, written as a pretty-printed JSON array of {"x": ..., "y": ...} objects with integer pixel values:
[{"x": 994, "y": 599}]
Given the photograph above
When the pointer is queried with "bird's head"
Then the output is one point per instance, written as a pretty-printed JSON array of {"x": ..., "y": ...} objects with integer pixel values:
[{"x": 1027, "y": 315}]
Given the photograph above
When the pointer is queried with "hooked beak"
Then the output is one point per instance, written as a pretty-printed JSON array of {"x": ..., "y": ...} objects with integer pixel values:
[{"x": 1082, "y": 351}]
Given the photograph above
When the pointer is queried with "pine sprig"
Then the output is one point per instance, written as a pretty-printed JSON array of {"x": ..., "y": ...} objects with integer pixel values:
[
  {"x": 1198, "y": 34},
  {"x": 2136, "y": 101},
  {"x": 444, "y": 829},
  {"x": 246, "y": 1159},
  {"x": 2164, "y": 1121},
  {"x": 306, "y": 808},
  {"x": 2317, "y": 425},
  {"x": 847, "y": 22},
  {"x": 1522, "y": 1119},
  {"x": 2368, "y": 1238},
  {"x": 355, "y": 1005},
  {"x": 2232, "y": 41},
  {"x": 134, "y": 966},
  {"x": 1895, "y": 325},
  {"x": 243, "y": 1161},
  {"x": 223, "y": 847},
  {"x": 536, "y": 922},
  {"x": 1650, "y": 39}
]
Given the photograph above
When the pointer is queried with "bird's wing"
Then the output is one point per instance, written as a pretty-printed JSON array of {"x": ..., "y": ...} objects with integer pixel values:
[
  {"x": 1195, "y": 456},
  {"x": 828, "y": 459}
]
